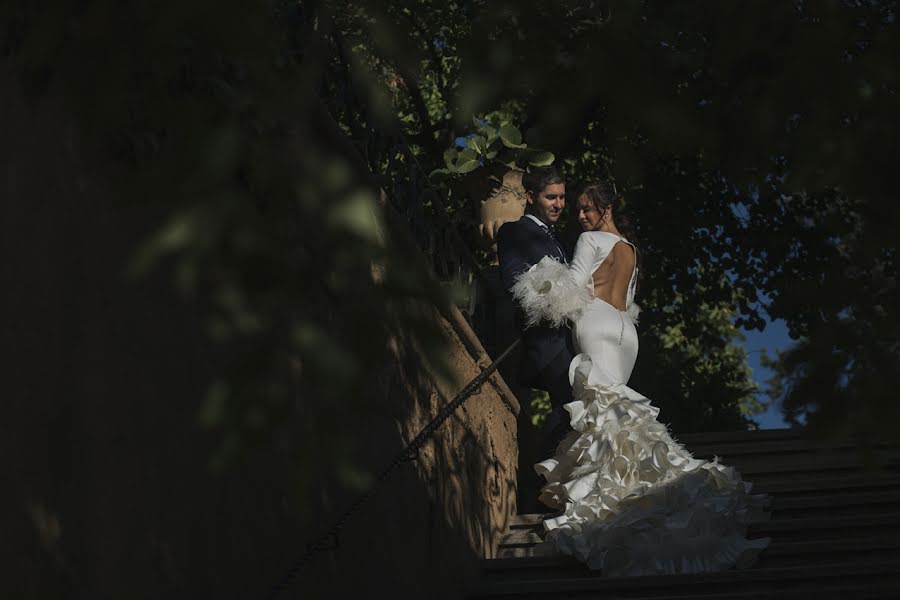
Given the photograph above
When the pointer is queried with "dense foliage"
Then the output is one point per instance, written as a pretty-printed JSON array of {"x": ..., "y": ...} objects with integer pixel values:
[{"x": 754, "y": 143}]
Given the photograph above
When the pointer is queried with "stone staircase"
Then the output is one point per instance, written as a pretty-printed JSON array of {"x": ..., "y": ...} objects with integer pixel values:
[{"x": 835, "y": 529}]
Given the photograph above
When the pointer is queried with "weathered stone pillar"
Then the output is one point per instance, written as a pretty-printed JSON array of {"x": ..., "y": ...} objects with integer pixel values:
[{"x": 506, "y": 203}]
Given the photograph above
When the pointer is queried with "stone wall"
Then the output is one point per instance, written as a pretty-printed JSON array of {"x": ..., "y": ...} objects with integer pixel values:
[{"x": 424, "y": 531}]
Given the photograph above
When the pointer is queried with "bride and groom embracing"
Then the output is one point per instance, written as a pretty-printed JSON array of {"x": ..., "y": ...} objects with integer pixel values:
[{"x": 631, "y": 500}]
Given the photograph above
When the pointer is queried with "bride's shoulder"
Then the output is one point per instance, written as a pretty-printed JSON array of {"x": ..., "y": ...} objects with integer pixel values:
[{"x": 599, "y": 237}]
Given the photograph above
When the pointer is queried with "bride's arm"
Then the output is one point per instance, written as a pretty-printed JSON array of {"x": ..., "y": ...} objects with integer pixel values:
[
  {"x": 582, "y": 261},
  {"x": 553, "y": 292}
]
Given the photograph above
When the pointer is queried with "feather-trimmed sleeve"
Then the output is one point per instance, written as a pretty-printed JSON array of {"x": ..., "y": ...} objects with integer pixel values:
[{"x": 547, "y": 292}]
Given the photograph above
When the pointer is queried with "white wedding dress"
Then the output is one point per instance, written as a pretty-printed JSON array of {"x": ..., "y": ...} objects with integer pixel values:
[{"x": 633, "y": 501}]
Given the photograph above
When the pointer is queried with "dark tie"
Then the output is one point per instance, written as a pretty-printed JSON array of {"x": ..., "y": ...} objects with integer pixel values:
[{"x": 550, "y": 234}]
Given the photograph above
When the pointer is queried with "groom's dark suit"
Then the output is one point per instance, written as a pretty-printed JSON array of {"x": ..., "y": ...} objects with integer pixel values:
[{"x": 546, "y": 352}]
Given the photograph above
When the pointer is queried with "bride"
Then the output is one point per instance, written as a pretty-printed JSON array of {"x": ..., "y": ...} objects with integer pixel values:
[{"x": 632, "y": 500}]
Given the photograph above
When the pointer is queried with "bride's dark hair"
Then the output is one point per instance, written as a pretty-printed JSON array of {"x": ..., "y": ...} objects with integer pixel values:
[{"x": 603, "y": 195}]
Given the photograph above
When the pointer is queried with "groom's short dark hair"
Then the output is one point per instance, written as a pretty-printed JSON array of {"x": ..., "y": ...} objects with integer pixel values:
[{"x": 538, "y": 178}]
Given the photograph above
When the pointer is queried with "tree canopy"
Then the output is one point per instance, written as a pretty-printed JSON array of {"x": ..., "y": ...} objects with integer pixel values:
[{"x": 754, "y": 143}]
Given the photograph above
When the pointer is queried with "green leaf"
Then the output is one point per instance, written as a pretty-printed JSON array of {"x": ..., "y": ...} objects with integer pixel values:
[
  {"x": 493, "y": 149},
  {"x": 541, "y": 158},
  {"x": 477, "y": 143},
  {"x": 450, "y": 155},
  {"x": 440, "y": 172},
  {"x": 357, "y": 213},
  {"x": 467, "y": 161},
  {"x": 511, "y": 136}
]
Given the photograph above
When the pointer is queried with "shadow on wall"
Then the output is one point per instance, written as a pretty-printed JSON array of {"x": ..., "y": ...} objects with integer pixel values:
[{"x": 426, "y": 527}]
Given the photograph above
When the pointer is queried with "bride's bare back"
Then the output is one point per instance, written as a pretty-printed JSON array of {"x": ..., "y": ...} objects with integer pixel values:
[{"x": 613, "y": 276}]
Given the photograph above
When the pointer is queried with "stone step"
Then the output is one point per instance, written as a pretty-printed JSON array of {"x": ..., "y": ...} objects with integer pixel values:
[
  {"x": 791, "y": 485},
  {"x": 826, "y": 528},
  {"x": 845, "y": 488},
  {"x": 527, "y": 566},
  {"x": 857, "y": 579},
  {"x": 731, "y": 437},
  {"x": 519, "y": 540},
  {"x": 789, "y": 448},
  {"x": 812, "y": 465},
  {"x": 855, "y": 589},
  {"x": 758, "y": 472},
  {"x": 768, "y": 441},
  {"x": 818, "y": 472},
  {"x": 547, "y": 561},
  {"x": 878, "y": 458},
  {"x": 835, "y": 530},
  {"x": 768, "y": 436},
  {"x": 773, "y": 438},
  {"x": 850, "y": 502}
]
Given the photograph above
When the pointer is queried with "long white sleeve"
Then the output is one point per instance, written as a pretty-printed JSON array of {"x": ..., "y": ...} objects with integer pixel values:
[
  {"x": 582, "y": 265},
  {"x": 548, "y": 293}
]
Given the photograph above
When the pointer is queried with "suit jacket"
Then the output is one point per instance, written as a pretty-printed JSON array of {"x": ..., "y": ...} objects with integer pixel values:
[{"x": 547, "y": 351}]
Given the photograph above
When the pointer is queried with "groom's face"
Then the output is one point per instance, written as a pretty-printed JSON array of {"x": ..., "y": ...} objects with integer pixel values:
[{"x": 549, "y": 204}]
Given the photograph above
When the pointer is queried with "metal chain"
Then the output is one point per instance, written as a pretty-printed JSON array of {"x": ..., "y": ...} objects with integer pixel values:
[{"x": 330, "y": 539}]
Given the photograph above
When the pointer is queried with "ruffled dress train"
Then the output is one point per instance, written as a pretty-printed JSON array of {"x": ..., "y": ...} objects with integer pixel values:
[{"x": 632, "y": 500}]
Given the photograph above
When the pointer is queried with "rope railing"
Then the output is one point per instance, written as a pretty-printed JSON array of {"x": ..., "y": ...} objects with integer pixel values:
[{"x": 330, "y": 539}]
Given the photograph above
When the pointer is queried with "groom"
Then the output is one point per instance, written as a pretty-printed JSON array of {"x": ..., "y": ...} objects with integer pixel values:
[{"x": 546, "y": 351}]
